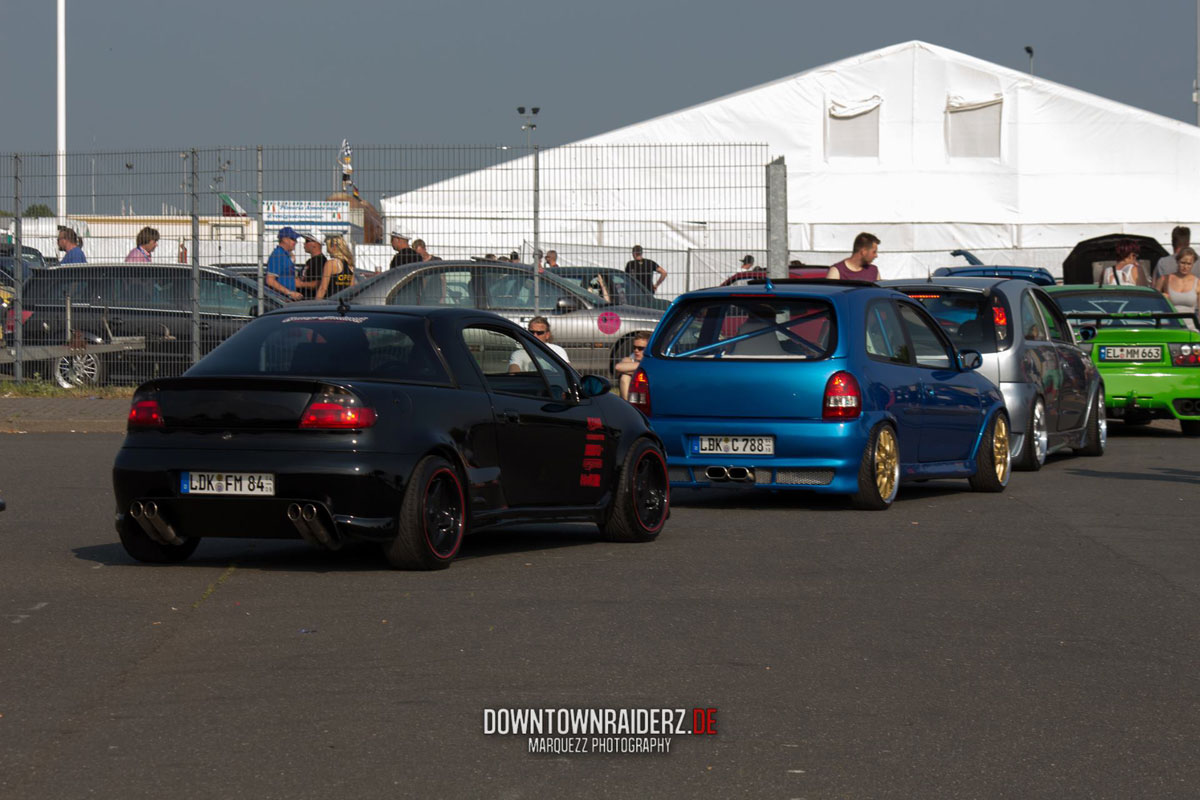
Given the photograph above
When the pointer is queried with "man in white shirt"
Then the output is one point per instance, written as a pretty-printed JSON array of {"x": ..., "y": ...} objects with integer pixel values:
[{"x": 519, "y": 361}]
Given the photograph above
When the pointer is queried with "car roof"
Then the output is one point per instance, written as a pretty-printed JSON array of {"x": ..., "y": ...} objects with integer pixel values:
[
  {"x": 789, "y": 287},
  {"x": 982, "y": 285},
  {"x": 1089, "y": 288},
  {"x": 431, "y": 312}
]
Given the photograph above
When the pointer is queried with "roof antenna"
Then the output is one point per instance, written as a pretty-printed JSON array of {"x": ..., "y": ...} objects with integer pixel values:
[{"x": 342, "y": 308}]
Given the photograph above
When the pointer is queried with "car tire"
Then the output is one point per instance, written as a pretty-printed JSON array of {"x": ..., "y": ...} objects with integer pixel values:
[
  {"x": 432, "y": 520},
  {"x": 141, "y": 547},
  {"x": 73, "y": 371},
  {"x": 993, "y": 462},
  {"x": 878, "y": 470},
  {"x": 642, "y": 502},
  {"x": 1189, "y": 427},
  {"x": 1036, "y": 443},
  {"x": 1096, "y": 439}
]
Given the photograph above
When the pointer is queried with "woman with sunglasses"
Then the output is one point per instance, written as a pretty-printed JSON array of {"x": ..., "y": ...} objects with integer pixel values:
[{"x": 631, "y": 363}]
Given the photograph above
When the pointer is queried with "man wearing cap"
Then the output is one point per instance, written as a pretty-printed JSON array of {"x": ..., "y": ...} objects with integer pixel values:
[
  {"x": 642, "y": 270},
  {"x": 404, "y": 253},
  {"x": 281, "y": 272},
  {"x": 310, "y": 277}
]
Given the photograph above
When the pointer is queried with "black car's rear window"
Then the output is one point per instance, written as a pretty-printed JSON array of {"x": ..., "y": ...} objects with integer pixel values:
[
  {"x": 1116, "y": 302},
  {"x": 742, "y": 328},
  {"x": 328, "y": 345},
  {"x": 966, "y": 317}
]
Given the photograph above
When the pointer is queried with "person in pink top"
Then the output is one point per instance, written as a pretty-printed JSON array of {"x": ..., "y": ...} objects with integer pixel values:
[
  {"x": 859, "y": 266},
  {"x": 147, "y": 240}
]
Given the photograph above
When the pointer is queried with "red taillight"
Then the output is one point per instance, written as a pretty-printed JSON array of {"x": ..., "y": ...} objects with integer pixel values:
[
  {"x": 1000, "y": 320},
  {"x": 999, "y": 315},
  {"x": 639, "y": 392},
  {"x": 145, "y": 413},
  {"x": 336, "y": 411},
  {"x": 1184, "y": 355},
  {"x": 843, "y": 399}
]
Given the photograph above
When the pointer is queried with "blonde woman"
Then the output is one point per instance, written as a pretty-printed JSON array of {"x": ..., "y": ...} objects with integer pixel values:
[{"x": 338, "y": 273}]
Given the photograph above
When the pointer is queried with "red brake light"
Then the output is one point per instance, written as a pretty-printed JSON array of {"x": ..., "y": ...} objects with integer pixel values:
[
  {"x": 639, "y": 392},
  {"x": 843, "y": 398},
  {"x": 999, "y": 315},
  {"x": 145, "y": 413},
  {"x": 336, "y": 411}
]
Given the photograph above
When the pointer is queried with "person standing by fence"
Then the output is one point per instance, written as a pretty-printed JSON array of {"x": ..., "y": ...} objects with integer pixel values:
[
  {"x": 281, "y": 272},
  {"x": 643, "y": 269},
  {"x": 404, "y": 254},
  {"x": 339, "y": 268},
  {"x": 72, "y": 247},
  {"x": 147, "y": 241},
  {"x": 860, "y": 265},
  {"x": 310, "y": 277}
]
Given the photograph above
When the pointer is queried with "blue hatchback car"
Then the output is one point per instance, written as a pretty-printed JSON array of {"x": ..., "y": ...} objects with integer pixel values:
[{"x": 831, "y": 386}]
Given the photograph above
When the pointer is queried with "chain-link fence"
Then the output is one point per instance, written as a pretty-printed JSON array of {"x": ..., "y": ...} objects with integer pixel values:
[{"x": 182, "y": 246}]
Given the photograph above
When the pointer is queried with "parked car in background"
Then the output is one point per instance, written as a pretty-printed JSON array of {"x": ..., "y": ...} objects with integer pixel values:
[
  {"x": 595, "y": 334},
  {"x": 1038, "y": 275},
  {"x": 1148, "y": 358},
  {"x": 1053, "y": 392},
  {"x": 107, "y": 303},
  {"x": 1089, "y": 258},
  {"x": 745, "y": 276},
  {"x": 826, "y": 386},
  {"x": 400, "y": 426},
  {"x": 613, "y": 286},
  {"x": 31, "y": 258}
]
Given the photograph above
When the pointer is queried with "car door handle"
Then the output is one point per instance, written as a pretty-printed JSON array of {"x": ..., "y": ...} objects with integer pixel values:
[{"x": 508, "y": 415}]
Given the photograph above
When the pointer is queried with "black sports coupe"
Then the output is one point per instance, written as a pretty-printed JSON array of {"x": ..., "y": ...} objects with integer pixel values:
[{"x": 404, "y": 426}]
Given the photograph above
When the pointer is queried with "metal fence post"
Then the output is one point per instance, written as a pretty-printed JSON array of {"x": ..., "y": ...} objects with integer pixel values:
[
  {"x": 777, "y": 219},
  {"x": 195, "y": 260},
  {"x": 687, "y": 278},
  {"x": 537, "y": 276},
  {"x": 259, "y": 246},
  {"x": 18, "y": 277}
]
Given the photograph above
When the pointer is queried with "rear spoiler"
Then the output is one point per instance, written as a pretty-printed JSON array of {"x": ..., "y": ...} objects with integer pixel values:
[{"x": 1156, "y": 316}]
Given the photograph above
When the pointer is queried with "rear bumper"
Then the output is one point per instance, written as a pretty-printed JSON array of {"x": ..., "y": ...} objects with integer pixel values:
[
  {"x": 357, "y": 495},
  {"x": 811, "y": 455},
  {"x": 1153, "y": 392}
]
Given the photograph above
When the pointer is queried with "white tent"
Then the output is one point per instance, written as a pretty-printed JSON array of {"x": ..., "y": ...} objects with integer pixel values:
[{"x": 928, "y": 148}]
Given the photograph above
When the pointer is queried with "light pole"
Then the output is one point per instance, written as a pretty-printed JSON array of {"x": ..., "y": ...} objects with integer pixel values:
[
  {"x": 1029, "y": 52},
  {"x": 529, "y": 126}
]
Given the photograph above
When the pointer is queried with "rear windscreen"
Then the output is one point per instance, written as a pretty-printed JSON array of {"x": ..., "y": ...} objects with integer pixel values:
[
  {"x": 1116, "y": 302},
  {"x": 742, "y": 328},
  {"x": 371, "y": 346},
  {"x": 966, "y": 317}
]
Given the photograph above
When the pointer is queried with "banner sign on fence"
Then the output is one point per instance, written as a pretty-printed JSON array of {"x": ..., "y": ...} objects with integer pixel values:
[{"x": 325, "y": 216}]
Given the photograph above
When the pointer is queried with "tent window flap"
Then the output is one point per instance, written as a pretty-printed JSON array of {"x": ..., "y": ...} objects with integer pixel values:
[
  {"x": 853, "y": 130},
  {"x": 973, "y": 129}
]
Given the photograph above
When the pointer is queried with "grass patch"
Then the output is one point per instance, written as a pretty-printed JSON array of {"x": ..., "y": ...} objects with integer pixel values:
[{"x": 11, "y": 388}]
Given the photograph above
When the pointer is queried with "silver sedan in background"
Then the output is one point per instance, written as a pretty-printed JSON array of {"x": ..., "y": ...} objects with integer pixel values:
[
  {"x": 1052, "y": 389},
  {"x": 596, "y": 334}
]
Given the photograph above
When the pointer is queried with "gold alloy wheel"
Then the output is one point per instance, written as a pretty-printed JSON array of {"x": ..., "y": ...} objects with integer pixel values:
[
  {"x": 1000, "y": 448},
  {"x": 887, "y": 462}
]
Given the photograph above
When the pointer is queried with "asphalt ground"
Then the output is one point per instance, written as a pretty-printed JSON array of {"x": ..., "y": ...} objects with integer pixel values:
[{"x": 1037, "y": 643}]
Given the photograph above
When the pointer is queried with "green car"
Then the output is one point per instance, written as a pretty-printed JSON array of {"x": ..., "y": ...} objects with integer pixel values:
[{"x": 1148, "y": 358}]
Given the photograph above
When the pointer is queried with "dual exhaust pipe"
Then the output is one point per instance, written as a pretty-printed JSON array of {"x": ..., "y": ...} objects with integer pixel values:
[
  {"x": 307, "y": 521},
  {"x": 151, "y": 521},
  {"x": 1188, "y": 406},
  {"x": 718, "y": 474}
]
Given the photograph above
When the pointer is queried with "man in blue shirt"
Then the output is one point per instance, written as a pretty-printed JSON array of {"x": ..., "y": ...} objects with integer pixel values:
[
  {"x": 72, "y": 247},
  {"x": 281, "y": 271}
]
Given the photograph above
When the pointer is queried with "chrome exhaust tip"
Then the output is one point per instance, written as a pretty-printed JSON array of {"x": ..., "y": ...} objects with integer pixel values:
[
  {"x": 150, "y": 509},
  {"x": 136, "y": 509},
  {"x": 293, "y": 512},
  {"x": 152, "y": 523},
  {"x": 739, "y": 474},
  {"x": 716, "y": 473}
]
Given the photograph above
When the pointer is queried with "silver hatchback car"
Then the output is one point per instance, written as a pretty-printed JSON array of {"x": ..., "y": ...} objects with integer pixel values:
[
  {"x": 595, "y": 334},
  {"x": 1053, "y": 392}
]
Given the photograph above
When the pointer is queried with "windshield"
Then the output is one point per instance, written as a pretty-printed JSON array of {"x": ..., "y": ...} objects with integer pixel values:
[
  {"x": 736, "y": 328},
  {"x": 966, "y": 317},
  {"x": 1132, "y": 303},
  {"x": 329, "y": 345}
]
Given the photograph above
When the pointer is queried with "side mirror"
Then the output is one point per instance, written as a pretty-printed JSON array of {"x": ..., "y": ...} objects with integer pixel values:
[
  {"x": 595, "y": 386},
  {"x": 970, "y": 359},
  {"x": 1086, "y": 333},
  {"x": 567, "y": 304}
]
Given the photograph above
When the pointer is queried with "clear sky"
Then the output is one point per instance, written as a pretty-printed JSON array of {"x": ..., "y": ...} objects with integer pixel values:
[{"x": 165, "y": 74}]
